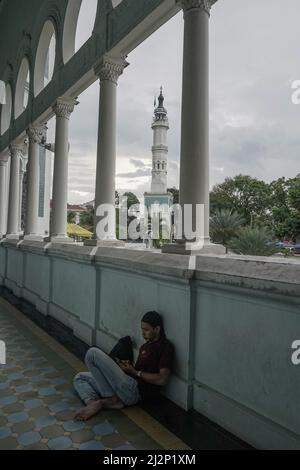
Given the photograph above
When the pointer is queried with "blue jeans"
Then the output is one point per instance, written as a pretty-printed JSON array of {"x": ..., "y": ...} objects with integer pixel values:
[{"x": 105, "y": 379}]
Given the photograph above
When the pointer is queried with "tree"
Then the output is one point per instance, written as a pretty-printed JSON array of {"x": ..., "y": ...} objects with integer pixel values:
[
  {"x": 87, "y": 218},
  {"x": 285, "y": 208},
  {"x": 248, "y": 196},
  {"x": 224, "y": 225},
  {"x": 131, "y": 200},
  {"x": 175, "y": 193},
  {"x": 71, "y": 217},
  {"x": 255, "y": 241}
]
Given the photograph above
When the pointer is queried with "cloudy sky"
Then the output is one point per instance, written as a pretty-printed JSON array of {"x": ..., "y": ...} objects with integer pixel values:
[{"x": 255, "y": 128}]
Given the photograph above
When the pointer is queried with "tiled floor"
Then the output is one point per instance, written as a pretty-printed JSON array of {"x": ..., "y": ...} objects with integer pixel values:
[{"x": 37, "y": 401}]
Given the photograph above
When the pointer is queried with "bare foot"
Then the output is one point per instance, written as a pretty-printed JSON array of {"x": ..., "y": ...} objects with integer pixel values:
[
  {"x": 92, "y": 408},
  {"x": 113, "y": 403}
]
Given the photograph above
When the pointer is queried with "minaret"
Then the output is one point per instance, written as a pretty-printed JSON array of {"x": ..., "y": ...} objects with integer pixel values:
[
  {"x": 159, "y": 193},
  {"x": 160, "y": 126}
]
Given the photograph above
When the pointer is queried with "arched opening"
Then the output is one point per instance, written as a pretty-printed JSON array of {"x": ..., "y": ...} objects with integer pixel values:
[
  {"x": 115, "y": 3},
  {"x": 6, "y": 109},
  {"x": 45, "y": 58},
  {"x": 22, "y": 88},
  {"x": 79, "y": 25}
]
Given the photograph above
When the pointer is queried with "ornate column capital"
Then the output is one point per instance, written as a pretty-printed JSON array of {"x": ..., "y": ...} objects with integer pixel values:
[
  {"x": 37, "y": 134},
  {"x": 110, "y": 69},
  {"x": 64, "y": 107},
  {"x": 204, "y": 5},
  {"x": 4, "y": 157},
  {"x": 16, "y": 149}
]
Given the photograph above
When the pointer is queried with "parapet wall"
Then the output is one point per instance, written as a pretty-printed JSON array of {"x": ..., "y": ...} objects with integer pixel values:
[{"x": 232, "y": 321}]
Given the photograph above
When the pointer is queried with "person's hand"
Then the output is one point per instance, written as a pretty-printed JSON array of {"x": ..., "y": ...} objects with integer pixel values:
[{"x": 128, "y": 368}]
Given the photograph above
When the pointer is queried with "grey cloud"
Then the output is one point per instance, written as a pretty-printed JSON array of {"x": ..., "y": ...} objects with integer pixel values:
[
  {"x": 135, "y": 174},
  {"x": 138, "y": 163},
  {"x": 254, "y": 125}
]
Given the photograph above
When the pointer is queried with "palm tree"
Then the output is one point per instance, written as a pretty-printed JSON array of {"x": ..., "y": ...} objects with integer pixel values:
[
  {"x": 255, "y": 241},
  {"x": 224, "y": 225}
]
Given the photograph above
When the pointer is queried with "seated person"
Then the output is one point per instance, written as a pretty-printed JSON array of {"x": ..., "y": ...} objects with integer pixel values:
[{"x": 112, "y": 385}]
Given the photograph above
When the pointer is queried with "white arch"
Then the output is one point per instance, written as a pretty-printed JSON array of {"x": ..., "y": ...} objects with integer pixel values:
[
  {"x": 115, "y": 3},
  {"x": 78, "y": 26},
  {"x": 6, "y": 110},
  {"x": 45, "y": 58},
  {"x": 22, "y": 88}
]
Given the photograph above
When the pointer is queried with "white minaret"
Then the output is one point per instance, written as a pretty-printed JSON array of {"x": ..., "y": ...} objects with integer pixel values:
[{"x": 160, "y": 126}]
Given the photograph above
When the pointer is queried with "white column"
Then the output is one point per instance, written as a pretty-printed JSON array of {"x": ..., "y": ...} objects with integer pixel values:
[
  {"x": 108, "y": 71},
  {"x": 23, "y": 163},
  {"x": 194, "y": 157},
  {"x": 58, "y": 230},
  {"x": 3, "y": 173},
  {"x": 16, "y": 152},
  {"x": 35, "y": 135}
]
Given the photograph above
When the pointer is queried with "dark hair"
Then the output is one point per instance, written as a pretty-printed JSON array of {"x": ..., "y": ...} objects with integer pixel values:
[{"x": 154, "y": 319}]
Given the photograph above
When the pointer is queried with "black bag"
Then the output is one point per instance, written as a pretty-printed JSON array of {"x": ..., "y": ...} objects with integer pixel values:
[{"x": 122, "y": 350}]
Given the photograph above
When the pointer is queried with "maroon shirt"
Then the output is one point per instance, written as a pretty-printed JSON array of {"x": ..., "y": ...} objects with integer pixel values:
[{"x": 153, "y": 356}]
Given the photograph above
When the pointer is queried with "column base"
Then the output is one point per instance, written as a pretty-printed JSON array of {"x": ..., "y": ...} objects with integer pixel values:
[
  {"x": 13, "y": 236},
  {"x": 104, "y": 243},
  {"x": 185, "y": 248},
  {"x": 35, "y": 238},
  {"x": 59, "y": 239}
]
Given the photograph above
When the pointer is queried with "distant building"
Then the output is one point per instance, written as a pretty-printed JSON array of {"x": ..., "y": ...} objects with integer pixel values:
[
  {"x": 78, "y": 210},
  {"x": 160, "y": 127}
]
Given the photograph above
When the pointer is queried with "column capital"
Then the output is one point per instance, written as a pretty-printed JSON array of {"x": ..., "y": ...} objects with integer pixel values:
[
  {"x": 16, "y": 149},
  {"x": 64, "y": 107},
  {"x": 204, "y": 5},
  {"x": 110, "y": 69},
  {"x": 4, "y": 157},
  {"x": 37, "y": 134}
]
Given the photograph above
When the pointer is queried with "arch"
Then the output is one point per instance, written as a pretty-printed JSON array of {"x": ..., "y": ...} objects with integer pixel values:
[
  {"x": 45, "y": 58},
  {"x": 6, "y": 110},
  {"x": 116, "y": 3},
  {"x": 22, "y": 88},
  {"x": 78, "y": 26}
]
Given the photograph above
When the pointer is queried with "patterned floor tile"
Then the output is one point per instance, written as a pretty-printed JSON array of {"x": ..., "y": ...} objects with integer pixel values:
[
  {"x": 5, "y": 432},
  {"x": 8, "y": 444},
  {"x": 72, "y": 426},
  {"x": 23, "y": 388},
  {"x": 92, "y": 445},
  {"x": 60, "y": 443},
  {"x": 20, "y": 428},
  {"x": 82, "y": 436},
  {"x": 47, "y": 391},
  {"x": 38, "y": 402},
  {"x": 18, "y": 417},
  {"x": 8, "y": 400},
  {"x": 44, "y": 421},
  {"x": 103, "y": 429},
  {"x": 29, "y": 438},
  {"x": 59, "y": 406},
  {"x": 14, "y": 408},
  {"x": 35, "y": 403},
  {"x": 51, "y": 432}
]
